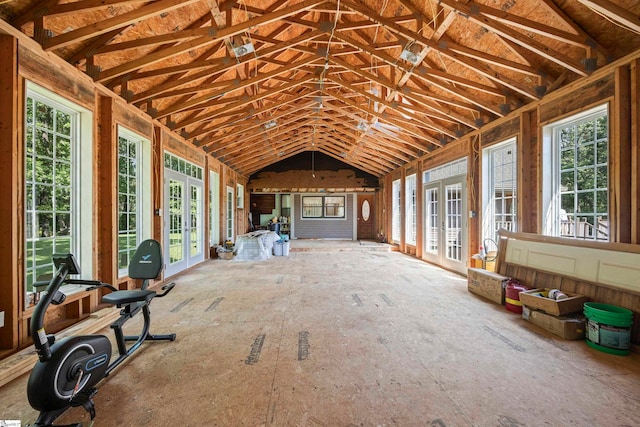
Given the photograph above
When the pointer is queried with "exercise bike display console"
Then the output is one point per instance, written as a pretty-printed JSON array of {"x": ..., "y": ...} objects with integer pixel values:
[{"x": 68, "y": 370}]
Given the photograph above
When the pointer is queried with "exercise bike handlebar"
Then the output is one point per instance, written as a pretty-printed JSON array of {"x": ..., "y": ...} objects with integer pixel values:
[
  {"x": 40, "y": 339},
  {"x": 66, "y": 265}
]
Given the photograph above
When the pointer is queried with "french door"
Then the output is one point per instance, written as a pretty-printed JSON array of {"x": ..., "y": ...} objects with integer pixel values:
[
  {"x": 183, "y": 222},
  {"x": 445, "y": 225}
]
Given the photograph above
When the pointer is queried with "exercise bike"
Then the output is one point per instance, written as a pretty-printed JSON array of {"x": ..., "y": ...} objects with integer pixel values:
[{"x": 68, "y": 370}]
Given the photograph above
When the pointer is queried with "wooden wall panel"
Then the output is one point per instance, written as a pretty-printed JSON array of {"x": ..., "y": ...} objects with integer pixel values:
[
  {"x": 635, "y": 151},
  {"x": 178, "y": 147},
  {"x": 133, "y": 119},
  {"x": 10, "y": 152},
  {"x": 528, "y": 166},
  {"x": 55, "y": 76},
  {"x": 620, "y": 159},
  {"x": 106, "y": 155},
  {"x": 583, "y": 97},
  {"x": 300, "y": 180},
  {"x": 505, "y": 130},
  {"x": 453, "y": 151}
]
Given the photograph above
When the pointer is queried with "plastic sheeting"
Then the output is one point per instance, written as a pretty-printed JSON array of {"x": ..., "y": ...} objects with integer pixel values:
[{"x": 255, "y": 246}]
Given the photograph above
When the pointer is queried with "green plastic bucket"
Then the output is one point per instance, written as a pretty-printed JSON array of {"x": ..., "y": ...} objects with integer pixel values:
[{"x": 608, "y": 327}]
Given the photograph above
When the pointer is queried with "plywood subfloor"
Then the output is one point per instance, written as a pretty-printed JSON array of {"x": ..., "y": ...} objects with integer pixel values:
[{"x": 350, "y": 338}]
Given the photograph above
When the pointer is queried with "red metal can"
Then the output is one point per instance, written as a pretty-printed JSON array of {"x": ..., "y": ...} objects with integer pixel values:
[{"x": 512, "y": 296}]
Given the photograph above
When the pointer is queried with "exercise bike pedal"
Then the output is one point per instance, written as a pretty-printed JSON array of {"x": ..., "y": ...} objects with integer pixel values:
[{"x": 84, "y": 398}]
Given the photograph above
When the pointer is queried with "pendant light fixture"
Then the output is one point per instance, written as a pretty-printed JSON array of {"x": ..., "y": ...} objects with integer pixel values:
[{"x": 313, "y": 152}]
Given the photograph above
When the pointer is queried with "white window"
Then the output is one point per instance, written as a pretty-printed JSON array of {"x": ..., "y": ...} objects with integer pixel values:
[
  {"x": 230, "y": 212},
  {"x": 239, "y": 196},
  {"x": 576, "y": 176},
  {"x": 410, "y": 209},
  {"x": 58, "y": 204},
  {"x": 396, "y": 207},
  {"x": 323, "y": 207},
  {"x": 134, "y": 195},
  {"x": 214, "y": 208},
  {"x": 499, "y": 188}
]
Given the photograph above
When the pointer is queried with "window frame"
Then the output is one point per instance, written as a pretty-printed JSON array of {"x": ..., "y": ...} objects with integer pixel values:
[
  {"x": 214, "y": 208},
  {"x": 551, "y": 195},
  {"x": 239, "y": 196},
  {"x": 322, "y": 207},
  {"x": 80, "y": 225},
  {"x": 410, "y": 229},
  {"x": 396, "y": 211},
  {"x": 489, "y": 175},
  {"x": 143, "y": 193},
  {"x": 230, "y": 214}
]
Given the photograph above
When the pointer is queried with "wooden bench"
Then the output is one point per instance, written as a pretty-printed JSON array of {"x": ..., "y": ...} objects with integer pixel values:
[{"x": 604, "y": 272}]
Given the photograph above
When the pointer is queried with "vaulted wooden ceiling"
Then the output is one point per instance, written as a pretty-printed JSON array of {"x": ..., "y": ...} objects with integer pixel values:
[{"x": 373, "y": 83}]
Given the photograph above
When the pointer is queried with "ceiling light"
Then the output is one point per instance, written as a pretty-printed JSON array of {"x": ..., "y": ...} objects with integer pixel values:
[
  {"x": 243, "y": 50},
  {"x": 409, "y": 56},
  {"x": 270, "y": 124}
]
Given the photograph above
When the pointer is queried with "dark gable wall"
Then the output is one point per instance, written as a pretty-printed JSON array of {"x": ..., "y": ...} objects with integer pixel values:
[{"x": 295, "y": 173}]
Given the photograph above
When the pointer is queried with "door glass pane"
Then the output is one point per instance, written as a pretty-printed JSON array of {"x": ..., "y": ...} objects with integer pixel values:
[
  {"x": 453, "y": 222},
  {"x": 176, "y": 211},
  {"x": 195, "y": 215},
  {"x": 431, "y": 220}
]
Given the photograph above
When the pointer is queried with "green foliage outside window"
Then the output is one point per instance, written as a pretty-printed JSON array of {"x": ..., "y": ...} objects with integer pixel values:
[
  {"x": 48, "y": 187},
  {"x": 583, "y": 154}
]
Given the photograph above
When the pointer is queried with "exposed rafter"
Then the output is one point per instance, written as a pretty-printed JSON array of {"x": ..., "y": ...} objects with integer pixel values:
[{"x": 373, "y": 84}]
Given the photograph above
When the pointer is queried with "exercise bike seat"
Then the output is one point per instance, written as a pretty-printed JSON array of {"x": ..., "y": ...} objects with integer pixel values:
[
  {"x": 119, "y": 298},
  {"x": 146, "y": 263}
]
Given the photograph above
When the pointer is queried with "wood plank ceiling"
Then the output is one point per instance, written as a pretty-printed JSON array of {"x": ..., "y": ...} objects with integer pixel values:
[{"x": 373, "y": 83}]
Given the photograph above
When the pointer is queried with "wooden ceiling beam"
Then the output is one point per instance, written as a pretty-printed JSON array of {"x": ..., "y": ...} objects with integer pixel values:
[
  {"x": 205, "y": 40},
  {"x": 531, "y": 26},
  {"x": 90, "y": 49},
  {"x": 226, "y": 106},
  {"x": 426, "y": 71},
  {"x": 614, "y": 12},
  {"x": 227, "y": 64},
  {"x": 84, "y": 6},
  {"x": 242, "y": 140},
  {"x": 237, "y": 85},
  {"x": 402, "y": 109},
  {"x": 516, "y": 37},
  {"x": 239, "y": 119},
  {"x": 101, "y": 27},
  {"x": 386, "y": 117},
  {"x": 240, "y": 130}
]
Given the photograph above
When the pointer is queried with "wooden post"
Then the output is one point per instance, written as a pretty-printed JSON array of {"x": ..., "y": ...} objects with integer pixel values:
[
  {"x": 635, "y": 151},
  {"x": 527, "y": 147},
  {"x": 106, "y": 193},
  {"x": 474, "y": 196},
  {"x": 11, "y": 216},
  {"x": 620, "y": 159},
  {"x": 157, "y": 166}
]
